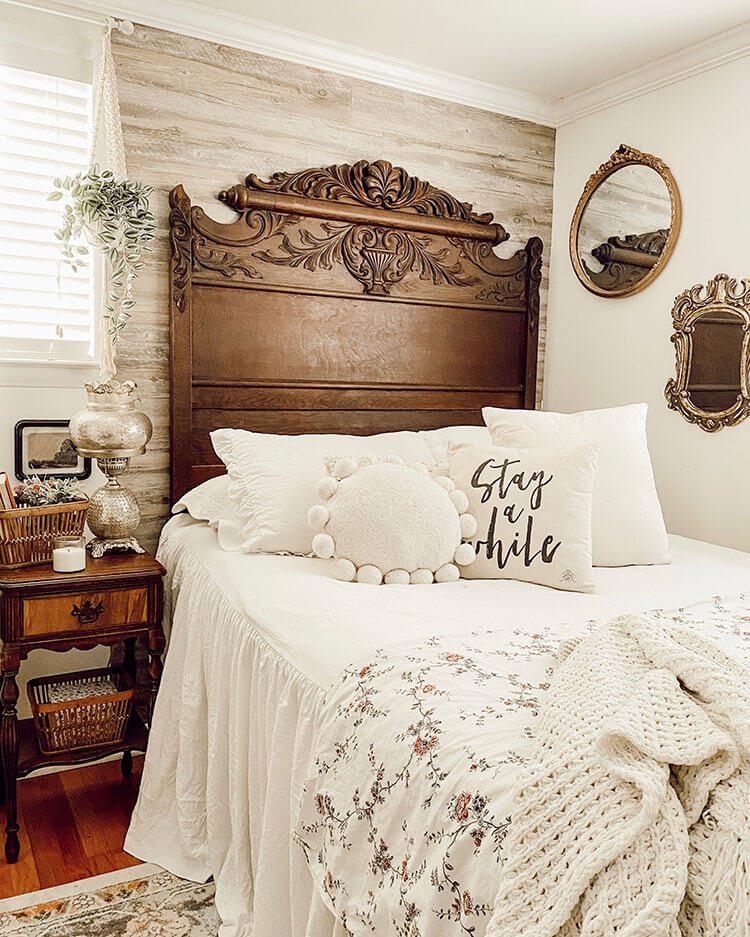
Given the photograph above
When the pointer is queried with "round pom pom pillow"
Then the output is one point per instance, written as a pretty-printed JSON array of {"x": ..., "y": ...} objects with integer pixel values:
[{"x": 384, "y": 521}]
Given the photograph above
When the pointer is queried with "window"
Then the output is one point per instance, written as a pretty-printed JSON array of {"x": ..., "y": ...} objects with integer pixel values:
[{"x": 46, "y": 311}]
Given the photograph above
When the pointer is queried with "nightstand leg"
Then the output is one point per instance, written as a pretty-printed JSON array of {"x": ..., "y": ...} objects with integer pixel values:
[
  {"x": 9, "y": 750},
  {"x": 126, "y": 765},
  {"x": 2, "y": 780},
  {"x": 155, "y": 648}
]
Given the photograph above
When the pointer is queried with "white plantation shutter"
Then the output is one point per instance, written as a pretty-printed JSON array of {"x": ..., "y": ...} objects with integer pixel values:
[{"x": 46, "y": 310}]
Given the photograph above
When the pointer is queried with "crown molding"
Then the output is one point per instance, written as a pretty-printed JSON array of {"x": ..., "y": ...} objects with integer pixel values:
[
  {"x": 243, "y": 32},
  {"x": 726, "y": 47},
  {"x": 190, "y": 18}
]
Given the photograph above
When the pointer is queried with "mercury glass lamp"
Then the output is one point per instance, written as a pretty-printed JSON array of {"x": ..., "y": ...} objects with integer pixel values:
[{"x": 111, "y": 430}]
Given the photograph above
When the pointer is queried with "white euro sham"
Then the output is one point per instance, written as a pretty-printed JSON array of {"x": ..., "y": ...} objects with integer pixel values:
[{"x": 438, "y": 441}]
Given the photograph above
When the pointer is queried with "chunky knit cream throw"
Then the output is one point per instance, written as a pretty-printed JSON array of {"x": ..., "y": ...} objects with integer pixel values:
[{"x": 633, "y": 817}]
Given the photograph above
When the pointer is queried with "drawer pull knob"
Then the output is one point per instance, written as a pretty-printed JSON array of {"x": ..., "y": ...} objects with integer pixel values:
[{"x": 88, "y": 612}]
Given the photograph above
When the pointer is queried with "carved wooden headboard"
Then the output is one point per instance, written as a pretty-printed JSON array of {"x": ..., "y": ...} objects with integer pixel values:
[{"x": 350, "y": 299}]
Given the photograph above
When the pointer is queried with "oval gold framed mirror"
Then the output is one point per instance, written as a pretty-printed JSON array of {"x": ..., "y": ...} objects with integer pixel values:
[{"x": 626, "y": 224}]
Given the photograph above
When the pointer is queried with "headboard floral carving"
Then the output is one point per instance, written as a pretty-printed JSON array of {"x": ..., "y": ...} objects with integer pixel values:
[
  {"x": 180, "y": 244},
  {"x": 353, "y": 298},
  {"x": 375, "y": 255},
  {"x": 378, "y": 257},
  {"x": 378, "y": 185}
]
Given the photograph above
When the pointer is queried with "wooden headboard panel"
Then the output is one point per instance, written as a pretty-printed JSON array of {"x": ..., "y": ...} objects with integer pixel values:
[{"x": 350, "y": 299}]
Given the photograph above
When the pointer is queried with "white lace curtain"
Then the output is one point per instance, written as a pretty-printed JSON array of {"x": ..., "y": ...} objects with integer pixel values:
[{"x": 107, "y": 106}]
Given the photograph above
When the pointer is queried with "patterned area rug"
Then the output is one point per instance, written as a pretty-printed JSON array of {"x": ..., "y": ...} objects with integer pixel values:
[{"x": 143, "y": 901}]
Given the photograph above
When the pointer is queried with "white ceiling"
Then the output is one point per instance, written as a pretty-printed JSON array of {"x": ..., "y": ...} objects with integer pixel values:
[
  {"x": 550, "y": 61},
  {"x": 552, "y": 48}
]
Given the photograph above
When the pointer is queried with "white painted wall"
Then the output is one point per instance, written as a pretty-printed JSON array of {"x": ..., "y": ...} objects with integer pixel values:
[{"x": 603, "y": 352}]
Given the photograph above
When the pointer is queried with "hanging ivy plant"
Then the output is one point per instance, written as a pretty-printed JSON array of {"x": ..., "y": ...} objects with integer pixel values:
[{"x": 116, "y": 219}]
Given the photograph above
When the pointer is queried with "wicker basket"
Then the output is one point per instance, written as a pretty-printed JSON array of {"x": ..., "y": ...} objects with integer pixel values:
[
  {"x": 27, "y": 534},
  {"x": 85, "y": 709}
]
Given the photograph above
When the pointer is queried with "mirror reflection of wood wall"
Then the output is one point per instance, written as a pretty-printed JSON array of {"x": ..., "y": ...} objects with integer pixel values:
[
  {"x": 712, "y": 349},
  {"x": 626, "y": 223}
]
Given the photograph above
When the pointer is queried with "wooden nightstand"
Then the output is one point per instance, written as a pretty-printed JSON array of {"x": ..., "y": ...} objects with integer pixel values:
[{"x": 117, "y": 598}]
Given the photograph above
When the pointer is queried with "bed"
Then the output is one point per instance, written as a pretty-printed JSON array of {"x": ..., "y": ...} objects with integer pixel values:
[
  {"x": 351, "y": 299},
  {"x": 257, "y": 640}
]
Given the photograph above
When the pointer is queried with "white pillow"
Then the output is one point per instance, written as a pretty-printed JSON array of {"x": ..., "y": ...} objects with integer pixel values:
[
  {"x": 229, "y": 534},
  {"x": 533, "y": 510},
  {"x": 386, "y": 521},
  {"x": 438, "y": 439},
  {"x": 274, "y": 479},
  {"x": 210, "y": 502},
  {"x": 627, "y": 522}
]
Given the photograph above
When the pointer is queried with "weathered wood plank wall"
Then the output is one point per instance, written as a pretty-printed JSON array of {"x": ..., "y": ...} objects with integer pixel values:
[{"x": 205, "y": 115}]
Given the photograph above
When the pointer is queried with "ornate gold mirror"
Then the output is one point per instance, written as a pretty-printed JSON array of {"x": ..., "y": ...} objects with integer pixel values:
[
  {"x": 626, "y": 223},
  {"x": 712, "y": 347}
]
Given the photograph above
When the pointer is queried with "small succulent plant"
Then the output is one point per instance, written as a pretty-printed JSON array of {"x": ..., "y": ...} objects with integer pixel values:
[{"x": 35, "y": 492}]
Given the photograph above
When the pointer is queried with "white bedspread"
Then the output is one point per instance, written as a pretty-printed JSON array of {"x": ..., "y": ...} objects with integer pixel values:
[
  {"x": 256, "y": 640},
  {"x": 405, "y": 818}
]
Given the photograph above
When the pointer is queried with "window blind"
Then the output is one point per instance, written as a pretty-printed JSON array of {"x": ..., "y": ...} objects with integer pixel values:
[{"x": 46, "y": 310}]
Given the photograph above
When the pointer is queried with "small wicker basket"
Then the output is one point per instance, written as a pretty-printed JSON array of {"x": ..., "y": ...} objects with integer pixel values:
[
  {"x": 27, "y": 534},
  {"x": 85, "y": 709}
]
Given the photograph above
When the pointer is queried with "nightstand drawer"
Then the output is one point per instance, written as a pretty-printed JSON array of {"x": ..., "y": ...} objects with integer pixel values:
[{"x": 88, "y": 611}]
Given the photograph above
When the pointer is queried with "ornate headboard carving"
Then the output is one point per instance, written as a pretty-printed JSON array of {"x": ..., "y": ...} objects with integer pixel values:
[
  {"x": 374, "y": 185},
  {"x": 352, "y": 298}
]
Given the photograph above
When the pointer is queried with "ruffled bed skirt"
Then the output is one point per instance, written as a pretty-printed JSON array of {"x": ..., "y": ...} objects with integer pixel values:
[{"x": 229, "y": 752}]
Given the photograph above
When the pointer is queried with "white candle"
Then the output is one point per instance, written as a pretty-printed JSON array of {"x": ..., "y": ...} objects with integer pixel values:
[{"x": 68, "y": 559}]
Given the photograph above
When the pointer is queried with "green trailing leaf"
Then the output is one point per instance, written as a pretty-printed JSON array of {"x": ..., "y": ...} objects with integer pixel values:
[{"x": 115, "y": 218}]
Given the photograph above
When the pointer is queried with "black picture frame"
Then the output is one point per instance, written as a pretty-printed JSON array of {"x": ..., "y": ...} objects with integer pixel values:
[{"x": 24, "y": 467}]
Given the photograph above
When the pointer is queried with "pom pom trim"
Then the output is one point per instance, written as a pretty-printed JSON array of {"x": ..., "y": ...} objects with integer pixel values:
[{"x": 324, "y": 546}]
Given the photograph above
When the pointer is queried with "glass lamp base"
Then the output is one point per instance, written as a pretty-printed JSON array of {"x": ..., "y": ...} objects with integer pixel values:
[
  {"x": 101, "y": 545},
  {"x": 113, "y": 515}
]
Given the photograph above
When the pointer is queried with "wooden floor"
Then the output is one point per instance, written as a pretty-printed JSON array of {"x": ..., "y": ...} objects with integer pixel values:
[{"x": 73, "y": 825}]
